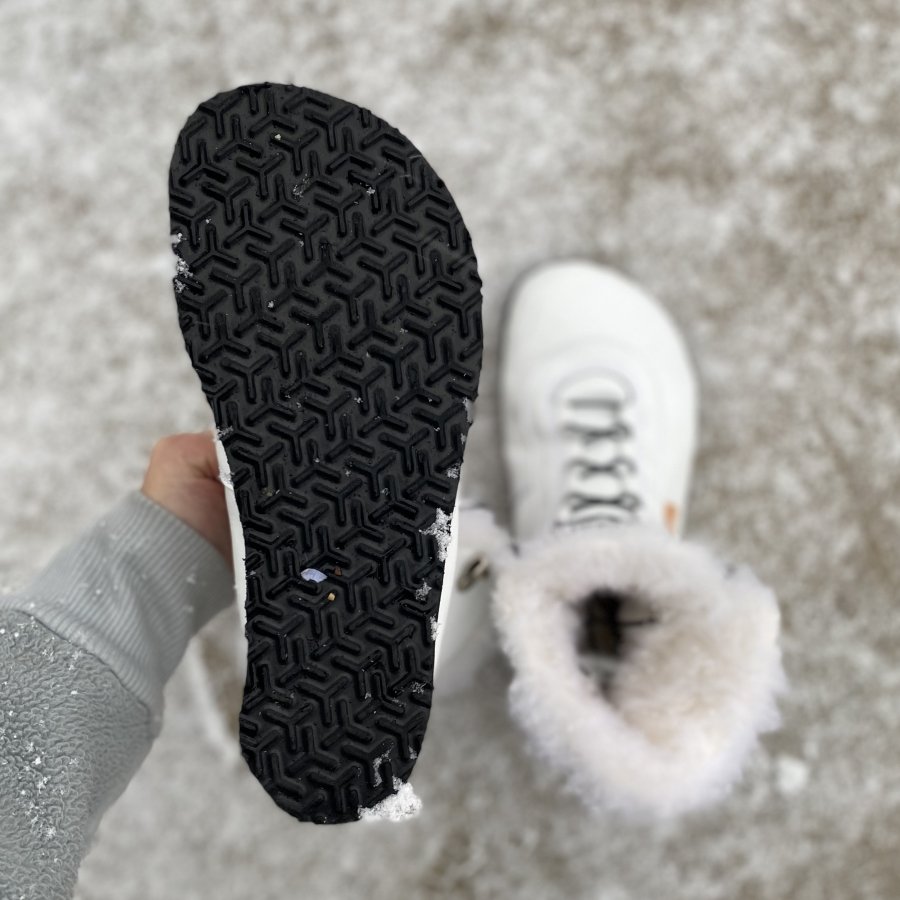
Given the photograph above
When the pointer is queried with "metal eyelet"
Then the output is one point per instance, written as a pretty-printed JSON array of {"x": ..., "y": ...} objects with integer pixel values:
[{"x": 478, "y": 569}]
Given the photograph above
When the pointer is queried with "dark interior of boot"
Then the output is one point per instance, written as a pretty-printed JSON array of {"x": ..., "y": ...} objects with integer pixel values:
[{"x": 607, "y": 627}]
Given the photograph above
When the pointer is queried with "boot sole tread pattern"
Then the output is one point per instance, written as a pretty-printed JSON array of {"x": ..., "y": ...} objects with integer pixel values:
[{"x": 330, "y": 303}]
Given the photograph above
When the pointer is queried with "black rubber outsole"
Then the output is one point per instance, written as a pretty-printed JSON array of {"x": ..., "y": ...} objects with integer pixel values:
[{"x": 331, "y": 306}]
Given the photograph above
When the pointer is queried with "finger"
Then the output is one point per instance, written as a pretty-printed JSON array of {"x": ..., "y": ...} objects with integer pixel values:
[{"x": 204, "y": 460}]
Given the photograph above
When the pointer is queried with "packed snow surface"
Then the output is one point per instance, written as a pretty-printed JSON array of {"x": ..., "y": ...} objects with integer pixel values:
[{"x": 739, "y": 160}]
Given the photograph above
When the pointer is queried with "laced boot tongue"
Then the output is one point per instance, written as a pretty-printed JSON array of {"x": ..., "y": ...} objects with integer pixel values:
[{"x": 600, "y": 468}]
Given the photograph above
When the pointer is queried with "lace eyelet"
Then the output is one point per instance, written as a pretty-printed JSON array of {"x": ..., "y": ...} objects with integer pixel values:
[{"x": 476, "y": 571}]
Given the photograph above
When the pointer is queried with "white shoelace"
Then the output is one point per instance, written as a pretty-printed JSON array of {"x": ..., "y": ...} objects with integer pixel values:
[{"x": 601, "y": 485}]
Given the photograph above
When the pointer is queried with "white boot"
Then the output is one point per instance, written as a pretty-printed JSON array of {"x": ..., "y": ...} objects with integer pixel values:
[{"x": 644, "y": 669}]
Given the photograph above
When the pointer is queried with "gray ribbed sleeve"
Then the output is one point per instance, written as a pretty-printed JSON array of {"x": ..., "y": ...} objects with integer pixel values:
[
  {"x": 132, "y": 591},
  {"x": 85, "y": 652}
]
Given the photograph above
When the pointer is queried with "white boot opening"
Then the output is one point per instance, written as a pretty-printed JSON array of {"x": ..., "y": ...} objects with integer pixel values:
[{"x": 662, "y": 724}]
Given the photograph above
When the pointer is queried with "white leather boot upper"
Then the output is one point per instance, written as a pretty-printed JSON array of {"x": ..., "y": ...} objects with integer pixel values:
[{"x": 598, "y": 402}]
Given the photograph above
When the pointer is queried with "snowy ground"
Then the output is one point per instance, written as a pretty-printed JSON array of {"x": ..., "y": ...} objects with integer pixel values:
[{"x": 741, "y": 160}]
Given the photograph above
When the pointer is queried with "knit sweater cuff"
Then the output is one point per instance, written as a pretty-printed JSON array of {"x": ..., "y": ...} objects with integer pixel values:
[{"x": 132, "y": 591}]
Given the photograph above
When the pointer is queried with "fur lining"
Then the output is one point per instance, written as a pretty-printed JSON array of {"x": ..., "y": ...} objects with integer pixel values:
[{"x": 692, "y": 692}]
